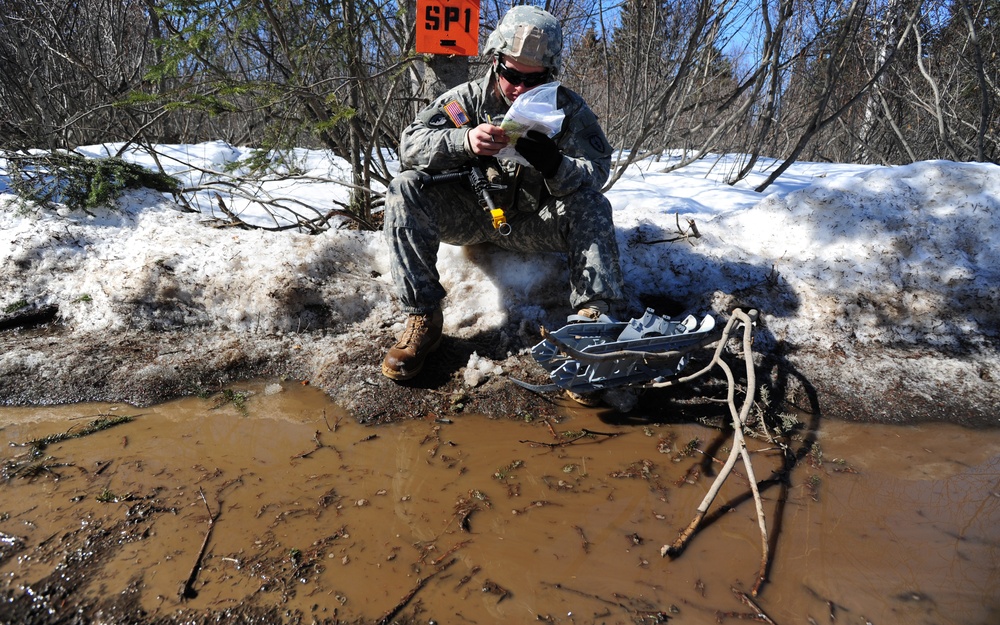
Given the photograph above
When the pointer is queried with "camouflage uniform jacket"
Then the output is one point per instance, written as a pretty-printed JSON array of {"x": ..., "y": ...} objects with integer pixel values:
[{"x": 436, "y": 142}]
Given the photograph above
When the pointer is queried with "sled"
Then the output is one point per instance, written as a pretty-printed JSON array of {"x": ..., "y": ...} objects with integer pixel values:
[{"x": 587, "y": 355}]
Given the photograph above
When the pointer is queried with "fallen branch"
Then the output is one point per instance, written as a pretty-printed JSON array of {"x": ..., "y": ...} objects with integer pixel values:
[
  {"x": 287, "y": 213},
  {"x": 739, "y": 449},
  {"x": 28, "y": 317},
  {"x": 437, "y": 561},
  {"x": 583, "y": 434},
  {"x": 655, "y": 616},
  {"x": 682, "y": 235},
  {"x": 583, "y": 538},
  {"x": 188, "y": 591},
  {"x": 319, "y": 445},
  {"x": 408, "y": 597},
  {"x": 34, "y": 461},
  {"x": 103, "y": 422},
  {"x": 467, "y": 578},
  {"x": 757, "y": 615},
  {"x": 496, "y": 589}
]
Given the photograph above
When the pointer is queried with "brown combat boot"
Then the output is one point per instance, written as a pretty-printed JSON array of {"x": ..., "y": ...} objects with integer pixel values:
[
  {"x": 590, "y": 400},
  {"x": 422, "y": 336},
  {"x": 593, "y": 310}
]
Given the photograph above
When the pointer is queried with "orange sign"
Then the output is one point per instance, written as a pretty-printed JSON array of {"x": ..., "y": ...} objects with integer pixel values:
[{"x": 448, "y": 27}]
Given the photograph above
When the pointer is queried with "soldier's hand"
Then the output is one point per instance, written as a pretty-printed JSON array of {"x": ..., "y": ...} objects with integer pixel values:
[
  {"x": 486, "y": 140},
  {"x": 541, "y": 151}
]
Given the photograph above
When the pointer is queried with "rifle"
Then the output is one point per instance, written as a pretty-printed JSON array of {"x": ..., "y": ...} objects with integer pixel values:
[{"x": 482, "y": 186}]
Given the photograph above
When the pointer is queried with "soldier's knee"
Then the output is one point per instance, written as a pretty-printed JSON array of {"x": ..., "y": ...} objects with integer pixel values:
[
  {"x": 405, "y": 182},
  {"x": 589, "y": 205},
  {"x": 399, "y": 199},
  {"x": 591, "y": 199}
]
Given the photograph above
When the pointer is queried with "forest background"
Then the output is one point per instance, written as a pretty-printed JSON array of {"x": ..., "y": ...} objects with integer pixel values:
[{"x": 847, "y": 81}]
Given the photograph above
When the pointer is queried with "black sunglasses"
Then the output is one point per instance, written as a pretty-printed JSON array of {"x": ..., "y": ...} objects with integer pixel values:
[{"x": 515, "y": 77}]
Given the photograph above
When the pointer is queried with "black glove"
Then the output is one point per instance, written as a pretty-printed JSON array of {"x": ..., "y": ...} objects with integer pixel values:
[{"x": 541, "y": 151}]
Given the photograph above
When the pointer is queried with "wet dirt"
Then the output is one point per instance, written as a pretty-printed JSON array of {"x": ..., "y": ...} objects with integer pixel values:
[{"x": 269, "y": 504}]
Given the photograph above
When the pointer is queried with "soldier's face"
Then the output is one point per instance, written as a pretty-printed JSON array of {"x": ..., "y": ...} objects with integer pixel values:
[{"x": 515, "y": 77}]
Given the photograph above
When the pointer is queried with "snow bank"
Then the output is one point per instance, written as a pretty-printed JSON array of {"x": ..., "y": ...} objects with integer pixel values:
[{"x": 836, "y": 258}]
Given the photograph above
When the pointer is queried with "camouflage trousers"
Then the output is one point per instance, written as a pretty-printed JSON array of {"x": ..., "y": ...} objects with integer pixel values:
[{"x": 419, "y": 217}]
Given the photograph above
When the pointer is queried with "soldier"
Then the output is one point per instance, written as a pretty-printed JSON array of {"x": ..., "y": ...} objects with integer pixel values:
[{"x": 553, "y": 205}]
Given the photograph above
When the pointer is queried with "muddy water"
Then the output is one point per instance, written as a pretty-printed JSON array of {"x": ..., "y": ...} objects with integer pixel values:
[{"x": 470, "y": 520}]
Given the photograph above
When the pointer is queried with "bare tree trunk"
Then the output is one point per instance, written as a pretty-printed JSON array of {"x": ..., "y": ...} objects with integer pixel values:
[
  {"x": 817, "y": 120},
  {"x": 938, "y": 102},
  {"x": 888, "y": 35},
  {"x": 985, "y": 99},
  {"x": 657, "y": 113},
  {"x": 434, "y": 73},
  {"x": 771, "y": 60}
]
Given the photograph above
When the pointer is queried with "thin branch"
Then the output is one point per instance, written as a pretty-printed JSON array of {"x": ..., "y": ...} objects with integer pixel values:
[
  {"x": 682, "y": 234},
  {"x": 188, "y": 591},
  {"x": 738, "y": 450},
  {"x": 391, "y": 614},
  {"x": 583, "y": 434}
]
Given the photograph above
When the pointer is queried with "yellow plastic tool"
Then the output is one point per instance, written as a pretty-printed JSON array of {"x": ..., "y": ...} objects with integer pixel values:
[{"x": 500, "y": 221}]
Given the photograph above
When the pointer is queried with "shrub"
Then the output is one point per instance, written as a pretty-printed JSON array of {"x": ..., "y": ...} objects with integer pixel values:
[{"x": 79, "y": 182}]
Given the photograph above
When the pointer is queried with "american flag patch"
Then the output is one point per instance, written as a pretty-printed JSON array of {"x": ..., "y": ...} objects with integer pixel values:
[{"x": 456, "y": 113}]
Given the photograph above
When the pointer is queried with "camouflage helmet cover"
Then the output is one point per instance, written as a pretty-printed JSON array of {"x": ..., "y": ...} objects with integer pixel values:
[{"x": 529, "y": 35}]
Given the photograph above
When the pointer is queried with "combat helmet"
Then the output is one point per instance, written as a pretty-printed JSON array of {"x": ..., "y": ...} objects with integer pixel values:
[{"x": 530, "y": 35}]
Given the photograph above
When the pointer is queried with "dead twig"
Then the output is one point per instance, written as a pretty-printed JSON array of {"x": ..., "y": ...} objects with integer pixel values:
[
  {"x": 306, "y": 454},
  {"x": 584, "y": 433},
  {"x": 534, "y": 504},
  {"x": 34, "y": 462},
  {"x": 234, "y": 220},
  {"x": 552, "y": 430},
  {"x": 408, "y": 597},
  {"x": 583, "y": 538},
  {"x": 739, "y": 449},
  {"x": 467, "y": 578},
  {"x": 581, "y": 593},
  {"x": 187, "y": 590},
  {"x": 336, "y": 424},
  {"x": 758, "y": 614},
  {"x": 496, "y": 589},
  {"x": 655, "y": 615},
  {"x": 682, "y": 234},
  {"x": 464, "y": 510},
  {"x": 454, "y": 548},
  {"x": 103, "y": 422},
  {"x": 319, "y": 445}
]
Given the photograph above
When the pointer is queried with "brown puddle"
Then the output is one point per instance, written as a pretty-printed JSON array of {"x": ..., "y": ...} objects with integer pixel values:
[{"x": 478, "y": 521}]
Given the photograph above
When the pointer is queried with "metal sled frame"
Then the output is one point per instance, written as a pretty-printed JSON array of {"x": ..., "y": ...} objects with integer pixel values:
[{"x": 589, "y": 356}]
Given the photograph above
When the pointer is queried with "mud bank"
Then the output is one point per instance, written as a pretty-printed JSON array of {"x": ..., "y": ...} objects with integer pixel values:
[{"x": 48, "y": 364}]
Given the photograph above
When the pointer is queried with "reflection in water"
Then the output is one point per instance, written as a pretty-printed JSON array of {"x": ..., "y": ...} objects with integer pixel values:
[{"x": 487, "y": 521}]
